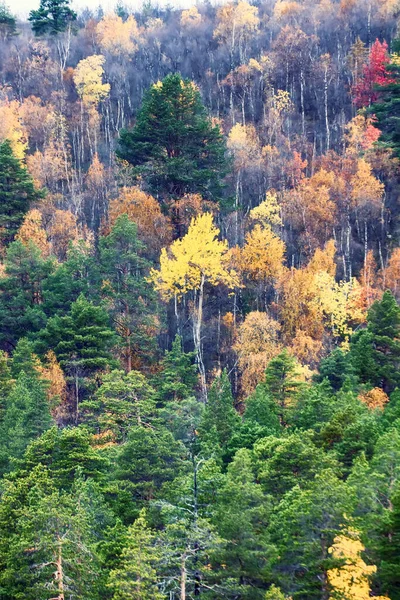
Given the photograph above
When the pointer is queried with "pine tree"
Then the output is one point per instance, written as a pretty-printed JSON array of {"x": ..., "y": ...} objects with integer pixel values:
[
  {"x": 17, "y": 192},
  {"x": 174, "y": 145},
  {"x": 220, "y": 419},
  {"x": 131, "y": 299},
  {"x": 136, "y": 578},
  {"x": 82, "y": 342},
  {"x": 389, "y": 550},
  {"x": 53, "y": 16},
  {"x": 8, "y": 26},
  {"x": 177, "y": 379},
  {"x": 282, "y": 382}
]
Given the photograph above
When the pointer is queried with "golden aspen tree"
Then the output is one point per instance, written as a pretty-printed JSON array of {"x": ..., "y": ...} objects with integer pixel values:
[
  {"x": 62, "y": 230},
  {"x": 391, "y": 275},
  {"x": 190, "y": 263},
  {"x": 236, "y": 23},
  {"x": 12, "y": 128},
  {"x": 256, "y": 343},
  {"x": 191, "y": 17},
  {"x": 262, "y": 255},
  {"x": 32, "y": 230},
  {"x": 351, "y": 581},
  {"x": 268, "y": 212},
  {"x": 116, "y": 36}
]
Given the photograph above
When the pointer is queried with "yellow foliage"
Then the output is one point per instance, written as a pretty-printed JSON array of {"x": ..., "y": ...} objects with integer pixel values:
[
  {"x": 11, "y": 127},
  {"x": 32, "y": 230},
  {"x": 392, "y": 273},
  {"x": 244, "y": 143},
  {"x": 62, "y": 230},
  {"x": 351, "y": 580},
  {"x": 268, "y": 212},
  {"x": 306, "y": 349},
  {"x": 324, "y": 260},
  {"x": 198, "y": 256},
  {"x": 190, "y": 17},
  {"x": 262, "y": 255},
  {"x": 53, "y": 374},
  {"x": 88, "y": 78},
  {"x": 236, "y": 19},
  {"x": 116, "y": 36},
  {"x": 366, "y": 188},
  {"x": 284, "y": 9},
  {"x": 256, "y": 343}
]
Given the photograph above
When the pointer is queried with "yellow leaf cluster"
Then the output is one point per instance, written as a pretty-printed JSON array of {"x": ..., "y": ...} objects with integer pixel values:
[
  {"x": 262, "y": 255},
  {"x": 190, "y": 17},
  {"x": 116, "y": 36},
  {"x": 88, "y": 78},
  {"x": 392, "y": 273},
  {"x": 256, "y": 343},
  {"x": 32, "y": 230},
  {"x": 241, "y": 18},
  {"x": 268, "y": 212},
  {"x": 351, "y": 580},
  {"x": 198, "y": 256},
  {"x": 366, "y": 188},
  {"x": 11, "y": 127},
  {"x": 245, "y": 145}
]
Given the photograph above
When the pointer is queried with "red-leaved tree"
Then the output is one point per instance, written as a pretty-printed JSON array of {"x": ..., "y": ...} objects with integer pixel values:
[{"x": 375, "y": 73}]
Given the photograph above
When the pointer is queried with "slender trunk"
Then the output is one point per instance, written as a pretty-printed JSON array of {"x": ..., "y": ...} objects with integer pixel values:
[
  {"x": 76, "y": 396},
  {"x": 183, "y": 578},
  {"x": 197, "y": 323},
  {"x": 60, "y": 572}
]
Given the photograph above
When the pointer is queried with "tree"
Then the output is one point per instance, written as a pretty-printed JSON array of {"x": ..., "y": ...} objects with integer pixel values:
[
  {"x": 17, "y": 192},
  {"x": 136, "y": 577},
  {"x": 351, "y": 579},
  {"x": 120, "y": 402},
  {"x": 282, "y": 382},
  {"x": 389, "y": 548},
  {"x": 386, "y": 108},
  {"x": 177, "y": 379},
  {"x": 375, "y": 73},
  {"x": 116, "y": 36},
  {"x": 220, "y": 419},
  {"x": 53, "y": 16},
  {"x": 192, "y": 262},
  {"x": 130, "y": 298},
  {"x": 8, "y": 26},
  {"x": 82, "y": 342},
  {"x": 22, "y": 292},
  {"x": 174, "y": 145}
]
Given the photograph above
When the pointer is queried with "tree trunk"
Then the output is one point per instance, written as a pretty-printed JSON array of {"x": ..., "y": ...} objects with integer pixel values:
[{"x": 197, "y": 323}]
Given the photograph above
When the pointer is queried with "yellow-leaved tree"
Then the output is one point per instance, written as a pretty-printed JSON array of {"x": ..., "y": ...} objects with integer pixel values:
[
  {"x": 199, "y": 258},
  {"x": 351, "y": 580},
  {"x": 116, "y": 36}
]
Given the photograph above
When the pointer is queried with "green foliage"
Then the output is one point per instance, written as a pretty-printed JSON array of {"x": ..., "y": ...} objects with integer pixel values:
[
  {"x": 53, "y": 17},
  {"x": 120, "y": 402},
  {"x": 82, "y": 342},
  {"x": 174, "y": 144},
  {"x": 8, "y": 26},
  {"x": 17, "y": 192},
  {"x": 177, "y": 379},
  {"x": 336, "y": 368},
  {"x": 136, "y": 577},
  {"x": 282, "y": 383},
  {"x": 130, "y": 298}
]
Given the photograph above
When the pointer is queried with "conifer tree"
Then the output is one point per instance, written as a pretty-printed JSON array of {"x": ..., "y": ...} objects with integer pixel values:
[
  {"x": 52, "y": 16},
  {"x": 17, "y": 192},
  {"x": 8, "y": 27},
  {"x": 282, "y": 382},
  {"x": 178, "y": 377},
  {"x": 82, "y": 342},
  {"x": 174, "y": 145}
]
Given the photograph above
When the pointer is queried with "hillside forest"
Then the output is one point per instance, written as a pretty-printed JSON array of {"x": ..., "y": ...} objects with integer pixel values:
[{"x": 199, "y": 301}]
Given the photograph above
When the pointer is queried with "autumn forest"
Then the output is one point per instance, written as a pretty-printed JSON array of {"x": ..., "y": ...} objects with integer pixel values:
[{"x": 199, "y": 301}]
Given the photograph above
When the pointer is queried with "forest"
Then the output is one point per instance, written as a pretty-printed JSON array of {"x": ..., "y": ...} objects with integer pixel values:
[{"x": 199, "y": 301}]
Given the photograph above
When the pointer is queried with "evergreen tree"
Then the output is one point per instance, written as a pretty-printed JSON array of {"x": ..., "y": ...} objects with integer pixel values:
[
  {"x": 21, "y": 293},
  {"x": 132, "y": 300},
  {"x": 336, "y": 367},
  {"x": 8, "y": 26},
  {"x": 52, "y": 16},
  {"x": 136, "y": 577},
  {"x": 26, "y": 417},
  {"x": 177, "y": 379},
  {"x": 174, "y": 145},
  {"x": 121, "y": 401},
  {"x": 282, "y": 382},
  {"x": 82, "y": 341},
  {"x": 17, "y": 192},
  {"x": 220, "y": 419},
  {"x": 387, "y": 108},
  {"x": 389, "y": 550}
]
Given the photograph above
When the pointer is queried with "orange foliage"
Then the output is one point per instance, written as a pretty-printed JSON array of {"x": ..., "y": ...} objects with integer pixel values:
[
  {"x": 154, "y": 229},
  {"x": 307, "y": 350},
  {"x": 62, "y": 230},
  {"x": 375, "y": 398},
  {"x": 392, "y": 273},
  {"x": 188, "y": 207}
]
